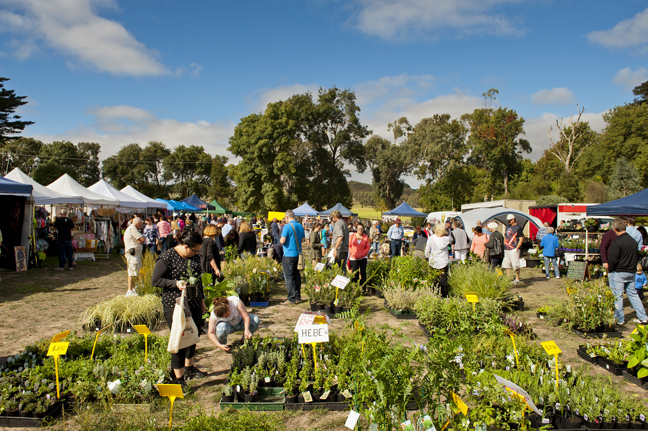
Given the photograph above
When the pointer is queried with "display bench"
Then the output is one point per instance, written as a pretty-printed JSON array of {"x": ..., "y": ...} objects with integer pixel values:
[{"x": 571, "y": 255}]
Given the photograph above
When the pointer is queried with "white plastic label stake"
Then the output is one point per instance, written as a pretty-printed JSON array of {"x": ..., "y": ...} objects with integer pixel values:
[
  {"x": 352, "y": 420},
  {"x": 340, "y": 282},
  {"x": 320, "y": 267},
  {"x": 313, "y": 334}
]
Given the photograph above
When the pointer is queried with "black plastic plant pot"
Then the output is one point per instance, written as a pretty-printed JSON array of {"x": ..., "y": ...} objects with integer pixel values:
[
  {"x": 192, "y": 291},
  {"x": 319, "y": 307},
  {"x": 313, "y": 306},
  {"x": 291, "y": 400},
  {"x": 337, "y": 310},
  {"x": 250, "y": 398},
  {"x": 329, "y": 309},
  {"x": 227, "y": 399},
  {"x": 340, "y": 398}
]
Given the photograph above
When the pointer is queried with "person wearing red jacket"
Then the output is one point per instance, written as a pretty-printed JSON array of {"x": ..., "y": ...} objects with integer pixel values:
[{"x": 359, "y": 245}]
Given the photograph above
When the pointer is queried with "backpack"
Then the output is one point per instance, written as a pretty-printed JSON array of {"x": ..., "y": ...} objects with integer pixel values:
[{"x": 497, "y": 245}]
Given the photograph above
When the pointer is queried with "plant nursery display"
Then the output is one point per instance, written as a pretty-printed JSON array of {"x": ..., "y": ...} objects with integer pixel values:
[
  {"x": 322, "y": 295},
  {"x": 590, "y": 306},
  {"x": 479, "y": 278},
  {"x": 117, "y": 373},
  {"x": 121, "y": 313}
]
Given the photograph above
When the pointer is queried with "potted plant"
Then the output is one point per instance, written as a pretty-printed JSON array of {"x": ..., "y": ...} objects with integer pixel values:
[
  {"x": 290, "y": 385},
  {"x": 228, "y": 394},
  {"x": 192, "y": 282},
  {"x": 592, "y": 224},
  {"x": 541, "y": 312}
]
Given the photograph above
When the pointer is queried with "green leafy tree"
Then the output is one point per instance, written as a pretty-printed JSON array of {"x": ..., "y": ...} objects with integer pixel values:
[
  {"x": 625, "y": 180},
  {"x": 153, "y": 156},
  {"x": 641, "y": 91},
  {"x": 10, "y": 123},
  {"x": 221, "y": 184},
  {"x": 189, "y": 168},
  {"x": 551, "y": 200},
  {"x": 80, "y": 161},
  {"x": 595, "y": 192},
  {"x": 21, "y": 153},
  {"x": 126, "y": 168},
  {"x": 569, "y": 186},
  {"x": 89, "y": 170},
  {"x": 330, "y": 128},
  {"x": 496, "y": 145},
  {"x": 388, "y": 163}
]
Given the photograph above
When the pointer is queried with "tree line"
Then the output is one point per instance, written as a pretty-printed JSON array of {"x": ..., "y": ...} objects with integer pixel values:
[{"x": 301, "y": 149}]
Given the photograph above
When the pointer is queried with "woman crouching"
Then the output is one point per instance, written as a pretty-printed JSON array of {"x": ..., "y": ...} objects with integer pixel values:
[{"x": 230, "y": 315}]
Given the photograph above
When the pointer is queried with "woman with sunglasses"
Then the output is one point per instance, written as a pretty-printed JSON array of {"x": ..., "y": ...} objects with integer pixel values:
[{"x": 170, "y": 269}]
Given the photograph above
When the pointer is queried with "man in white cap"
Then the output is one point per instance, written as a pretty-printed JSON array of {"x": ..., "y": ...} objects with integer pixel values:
[
  {"x": 395, "y": 235},
  {"x": 512, "y": 242}
]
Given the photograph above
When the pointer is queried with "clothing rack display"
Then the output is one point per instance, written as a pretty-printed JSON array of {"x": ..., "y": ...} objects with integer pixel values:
[{"x": 105, "y": 234}]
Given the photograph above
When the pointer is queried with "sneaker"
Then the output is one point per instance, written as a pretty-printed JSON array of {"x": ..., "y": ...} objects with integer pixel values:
[
  {"x": 548, "y": 278},
  {"x": 131, "y": 293},
  {"x": 620, "y": 323},
  {"x": 59, "y": 269},
  {"x": 557, "y": 277},
  {"x": 183, "y": 384},
  {"x": 643, "y": 322},
  {"x": 71, "y": 268},
  {"x": 193, "y": 373},
  {"x": 516, "y": 281},
  {"x": 287, "y": 302}
]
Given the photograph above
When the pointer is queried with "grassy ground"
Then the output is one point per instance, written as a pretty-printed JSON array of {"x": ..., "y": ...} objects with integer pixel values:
[{"x": 43, "y": 302}]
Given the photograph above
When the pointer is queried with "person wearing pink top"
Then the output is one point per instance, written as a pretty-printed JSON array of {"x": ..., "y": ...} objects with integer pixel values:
[
  {"x": 479, "y": 241},
  {"x": 359, "y": 245},
  {"x": 165, "y": 229}
]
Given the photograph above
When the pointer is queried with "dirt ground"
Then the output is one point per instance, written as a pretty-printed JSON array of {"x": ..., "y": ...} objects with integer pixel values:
[{"x": 43, "y": 302}]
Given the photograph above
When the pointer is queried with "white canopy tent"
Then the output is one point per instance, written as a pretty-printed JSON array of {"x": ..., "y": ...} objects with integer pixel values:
[
  {"x": 66, "y": 185},
  {"x": 485, "y": 215},
  {"x": 150, "y": 203},
  {"x": 103, "y": 188},
  {"x": 42, "y": 195}
]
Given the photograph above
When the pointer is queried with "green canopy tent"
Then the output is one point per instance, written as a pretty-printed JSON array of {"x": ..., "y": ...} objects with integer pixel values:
[{"x": 219, "y": 208}]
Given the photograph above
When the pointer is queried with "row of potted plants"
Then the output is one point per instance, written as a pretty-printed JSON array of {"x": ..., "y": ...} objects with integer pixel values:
[{"x": 117, "y": 373}]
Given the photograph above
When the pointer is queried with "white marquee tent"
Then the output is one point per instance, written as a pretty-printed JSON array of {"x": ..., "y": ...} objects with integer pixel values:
[
  {"x": 150, "y": 203},
  {"x": 103, "y": 188},
  {"x": 66, "y": 185},
  {"x": 42, "y": 195}
]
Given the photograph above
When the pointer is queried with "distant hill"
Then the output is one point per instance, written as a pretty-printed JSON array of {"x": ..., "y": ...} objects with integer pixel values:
[{"x": 363, "y": 194}]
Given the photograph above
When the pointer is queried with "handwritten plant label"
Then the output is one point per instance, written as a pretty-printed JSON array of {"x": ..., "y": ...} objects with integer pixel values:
[
  {"x": 521, "y": 393},
  {"x": 551, "y": 347},
  {"x": 472, "y": 297},
  {"x": 352, "y": 420},
  {"x": 60, "y": 336},
  {"x": 312, "y": 317},
  {"x": 57, "y": 349},
  {"x": 313, "y": 334},
  {"x": 320, "y": 267},
  {"x": 340, "y": 282}
]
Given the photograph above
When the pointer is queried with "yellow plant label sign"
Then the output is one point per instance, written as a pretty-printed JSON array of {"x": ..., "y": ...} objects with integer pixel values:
[
  {"x": 170, "y": 391},
  {"x": 472, "y": 297},
  {"x": 57, "y": 349},
  {"x": 58, "y": 337},
  {"x": 550, "y": 347},
  {"x": 635, "y": 329},
  {"x": 508, "y": 332},
  {"x": 462, "y": 406},
  {"x": 141, "y": 329}
]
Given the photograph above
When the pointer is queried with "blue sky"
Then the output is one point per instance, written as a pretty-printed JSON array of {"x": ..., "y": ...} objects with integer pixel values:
[{"x": 117, "y": 71}]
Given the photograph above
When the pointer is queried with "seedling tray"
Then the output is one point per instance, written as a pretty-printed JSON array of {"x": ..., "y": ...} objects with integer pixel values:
[
  {"x": 629, "y": 377},
  {"x": 268, "y": 399},
  {"x": 583, "y": 334},
  {"x": 262, "y": 303},
  {"x": 615, "y": 369},
  {"x": 582, "y": 352},
  {"x": 402, "y": 316},
  {"x": 335, "y": 406},
  {"x": 21, "y": 422}
]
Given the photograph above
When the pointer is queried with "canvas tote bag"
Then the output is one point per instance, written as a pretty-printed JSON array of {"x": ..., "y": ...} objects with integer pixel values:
[{"x": 184, "y": 332}]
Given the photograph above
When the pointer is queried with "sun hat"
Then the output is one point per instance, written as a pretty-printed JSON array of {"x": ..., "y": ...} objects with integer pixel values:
[{"x": 510, "y": 217}]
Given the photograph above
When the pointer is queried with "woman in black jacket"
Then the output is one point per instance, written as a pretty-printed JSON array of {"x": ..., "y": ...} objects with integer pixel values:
[
  {"x": 247, "y": 240},
  {"x": 210, "y": 257},
  {"x": 495, "y": 245}
]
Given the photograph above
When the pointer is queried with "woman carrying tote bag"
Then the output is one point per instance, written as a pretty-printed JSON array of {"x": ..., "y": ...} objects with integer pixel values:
[{"x": 169, "y": 272}]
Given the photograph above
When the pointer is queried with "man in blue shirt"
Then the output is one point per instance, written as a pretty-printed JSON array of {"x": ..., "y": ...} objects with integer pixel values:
[
  {"x": 549, "y": 244},
  {"x": 395, "y": 235},
  {"x": 292, "y": 236},
  {"x": 633, "y": 232}
]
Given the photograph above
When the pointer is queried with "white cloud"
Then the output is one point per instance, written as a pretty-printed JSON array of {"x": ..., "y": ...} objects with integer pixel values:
[
  {"x": 398, "y": 20},
  {"x": 555, "y": 96},
  {"x": 629, "y": 78},
  {"x": 73, "y": 28},
  {"x": 627, "y": 33},
  {"x": 116, "y": 126}
]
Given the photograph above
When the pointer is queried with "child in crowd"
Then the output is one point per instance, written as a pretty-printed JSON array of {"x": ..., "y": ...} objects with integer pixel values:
[{"x": 640, "y": 281}]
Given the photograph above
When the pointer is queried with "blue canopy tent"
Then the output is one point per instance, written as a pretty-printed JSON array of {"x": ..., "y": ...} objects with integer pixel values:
[
  {"x": 338, "y": 206},
  {"x": 9, "y": 187},
  {"x": 183, "y": 206},
  {"x": 170, "y": 206},
  {"x": 405, "y": 210},
  {"x": 305, "y": 210},
  {"x": 196, "y": 202},
  {"x": 635, "y": 204}
]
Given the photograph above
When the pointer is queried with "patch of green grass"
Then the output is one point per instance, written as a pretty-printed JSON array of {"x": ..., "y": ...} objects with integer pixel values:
[{"x": 29, "y": 288}]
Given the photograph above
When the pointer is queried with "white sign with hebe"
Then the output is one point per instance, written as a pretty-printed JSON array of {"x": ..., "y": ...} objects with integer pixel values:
[{"x": 313, "y": 334}]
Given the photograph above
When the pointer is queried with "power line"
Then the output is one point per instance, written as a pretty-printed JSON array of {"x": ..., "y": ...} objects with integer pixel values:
[{"x": 87, "y": 159}]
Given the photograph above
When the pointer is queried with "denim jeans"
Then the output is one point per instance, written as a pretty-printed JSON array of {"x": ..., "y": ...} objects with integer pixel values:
[
  {"x": 163, "y": 247},
  {"x": 65, "y": 250},
  {"x": 292, "y": 277},
  {"x": 554, "y": 261},
  {"x": 395, "y": 247},
  {"x": 375, "y": 247},
  {"x": 625, "y": 282},
  {"x": 223, "y": 329}
]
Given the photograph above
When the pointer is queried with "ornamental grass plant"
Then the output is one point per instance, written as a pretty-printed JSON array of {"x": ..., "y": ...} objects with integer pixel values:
[
  {"x": 122, "y": 312},
  {"x": 479, "y": 278}
]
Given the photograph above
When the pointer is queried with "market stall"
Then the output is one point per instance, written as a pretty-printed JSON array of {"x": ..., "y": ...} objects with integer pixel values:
[
  {"x": 150, "y": 203},
  {"x": 196, "y": 202},
  {"x": 635, "y": 204},
  {"x": 305, "y": 210},
  {"x": 343, "y": 210},
  {"x": 470, "y": 218},
  {"x": 16, "y": 201}
]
